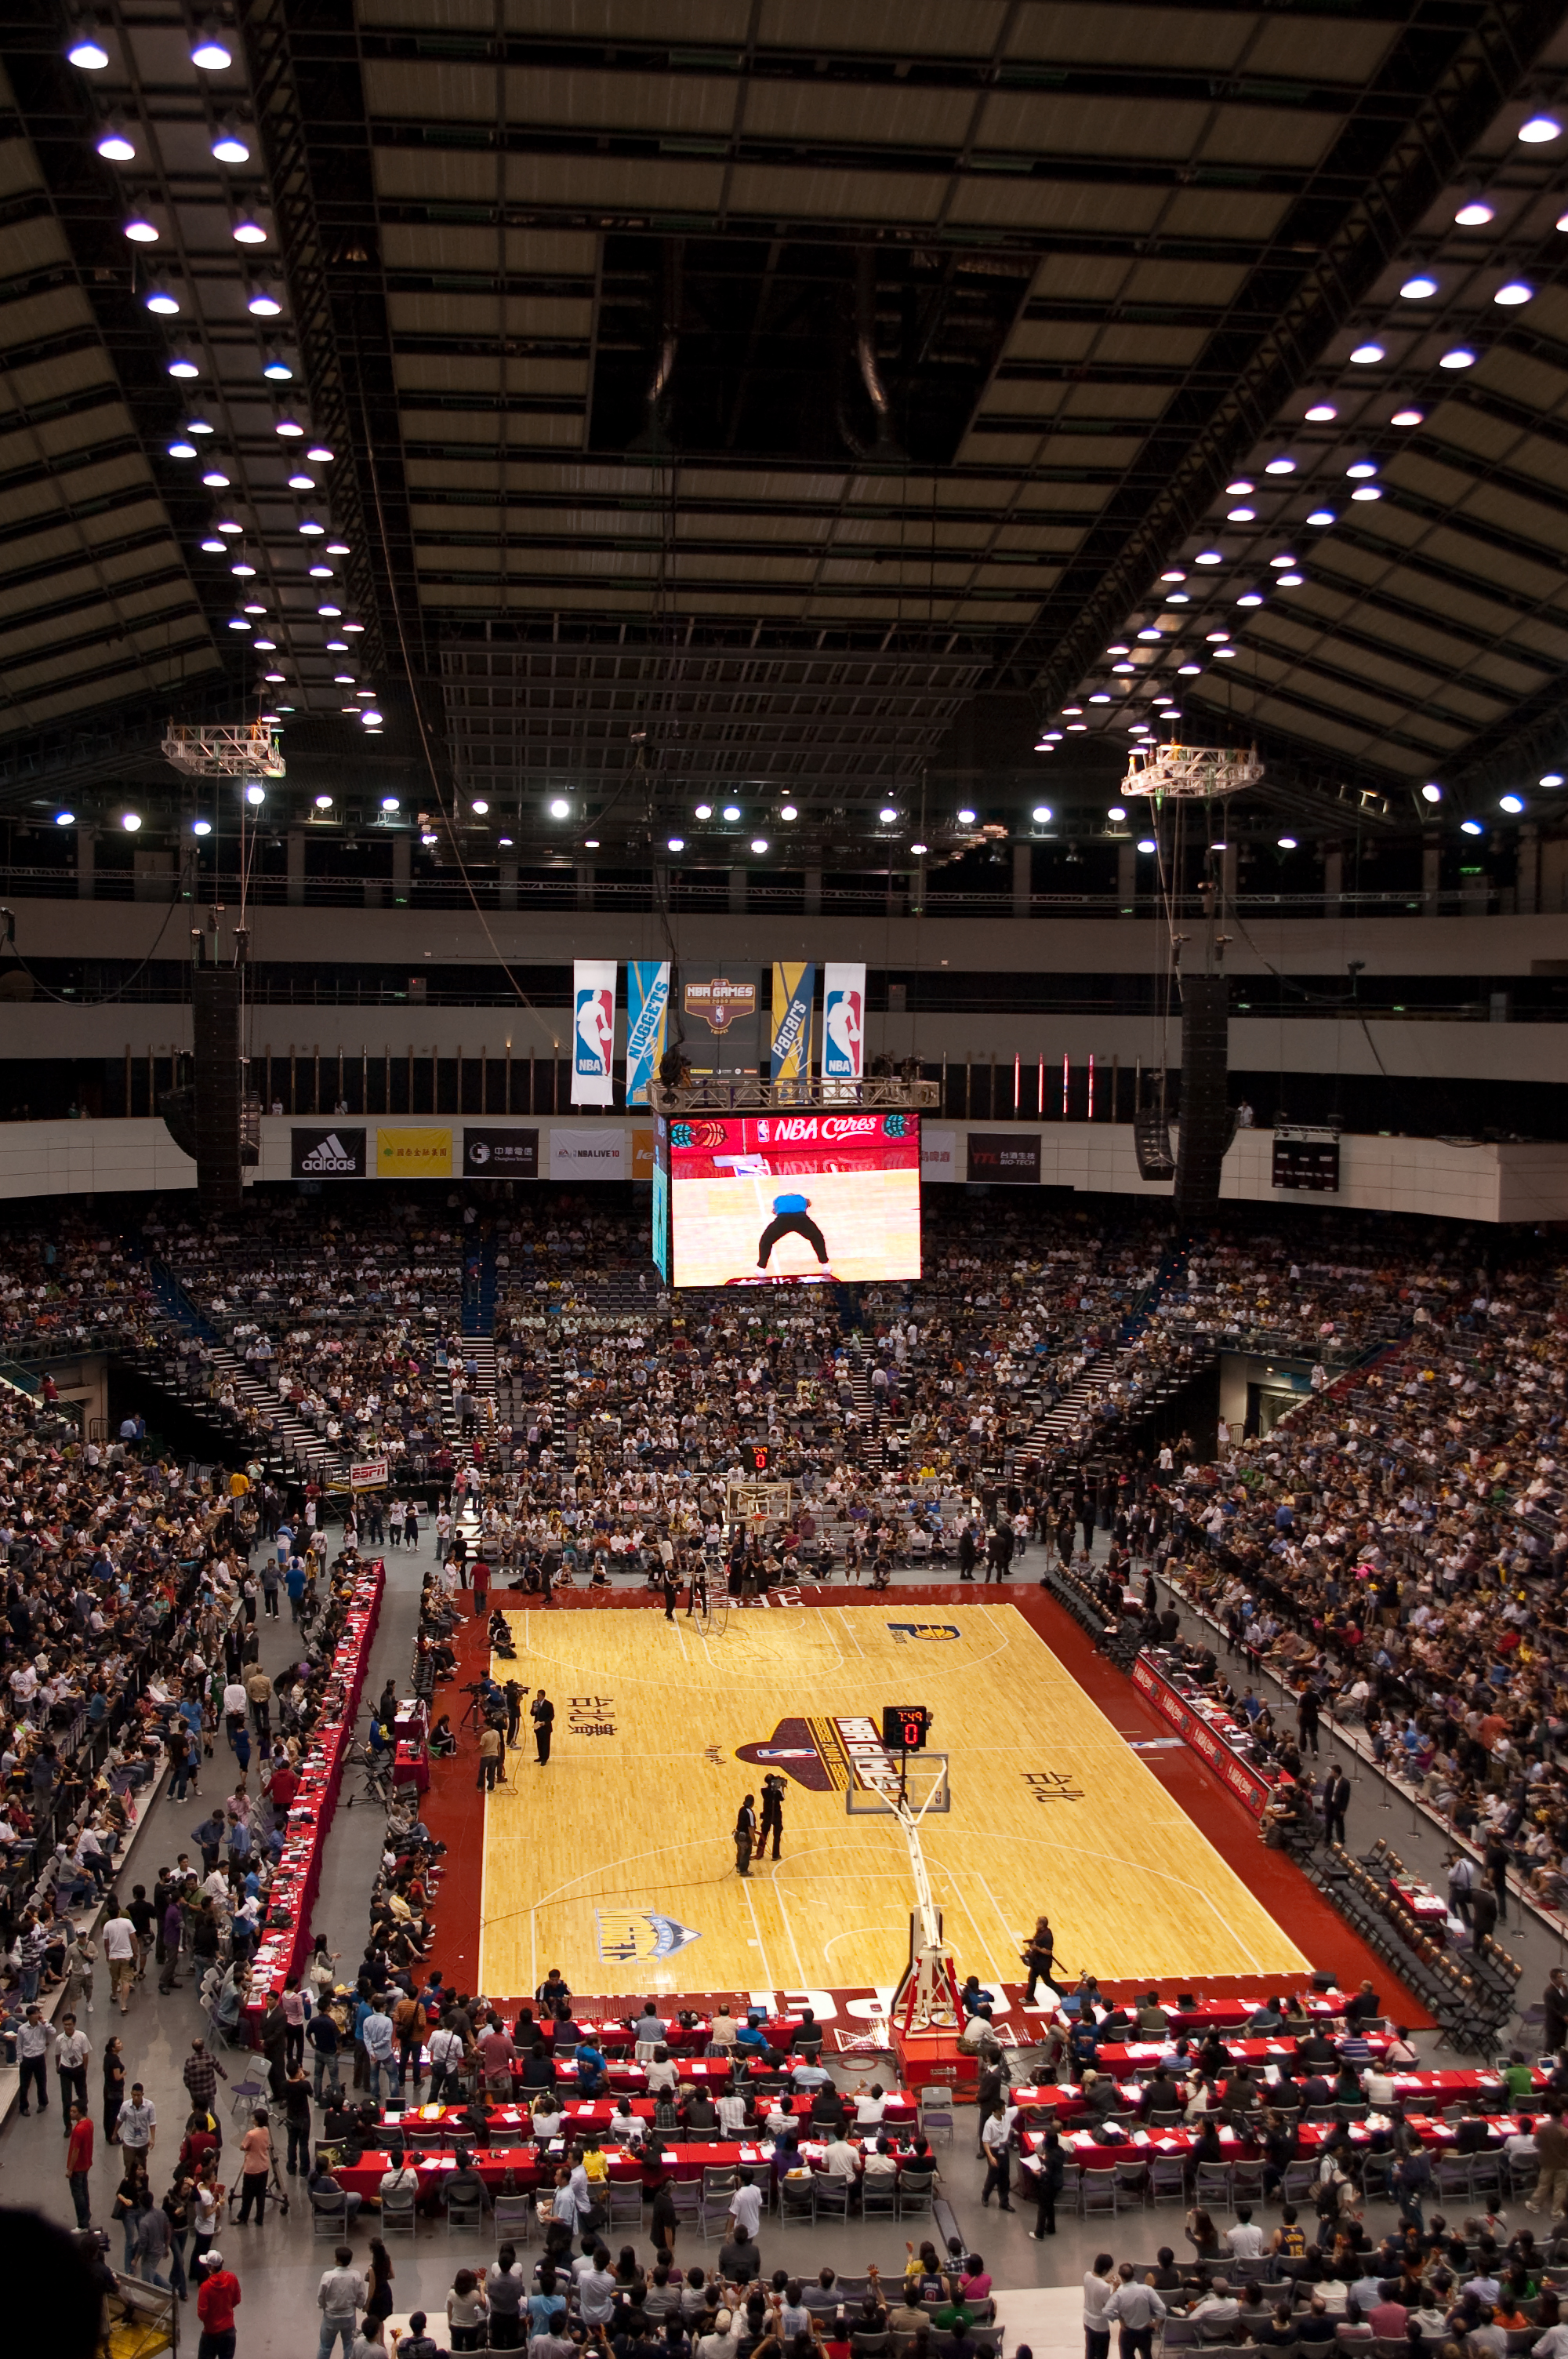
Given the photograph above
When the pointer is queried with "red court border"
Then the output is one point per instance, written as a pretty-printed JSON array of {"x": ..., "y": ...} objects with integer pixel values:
[{"x": 454, "y": 1807}]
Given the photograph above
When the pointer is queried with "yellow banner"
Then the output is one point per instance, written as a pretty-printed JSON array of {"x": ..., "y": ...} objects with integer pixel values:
[
  {"x": 414, "y": 1154},
  {"x": 794, "y": 982},
  {"x": 641, "y": 1155}
]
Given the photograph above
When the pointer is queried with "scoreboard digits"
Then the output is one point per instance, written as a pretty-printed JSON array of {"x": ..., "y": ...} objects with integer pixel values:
[{"x": 905, "y": 1727}]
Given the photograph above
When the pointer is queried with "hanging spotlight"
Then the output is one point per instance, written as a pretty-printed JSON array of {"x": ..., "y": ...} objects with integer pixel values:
[
  {"x": 338, "y": 548},
  {"x": 758, "y": 844},
  {"x": 198, "y": 422},
  {"x": 229, "y": 145},
  {"x": 1432, "y": 792},
  {"x": 1540, "y": 129},
  {"x": 1517, "y": 291},
  {"x": 788, "y": 811},
  {"x": 1461, "y": 357},
  {"x": 65, "y": 818},
  {"x": 1474, "y": 214},
  {"x": 389, "y": 803},
  {"x": 704, "y": 811},
  {"x": 130, "y": 821},
  {"x": 277, "y": 368},
  {"x": 212, "y": 545},
  {"x": 320, "y": 453},
  {"x": 1512, "y": 804},
  {"x": 300, "y": 482},
  {"x": 201, "y": 827},
  {"x": 1416, "y": 289},
  {"x": 1365, "y": 355},
  {"x": 255, "y": 794},
  {"x": 263, "y": 301},
  {"x": 1322, "y": 413},
  {"x": 180, "y": 448},
  {"x": 85, "y": 47},
  {"x": 115, "y": 143},
  {"x": 140, "y": 227},
  {"x": 1408, "y": 418},
  {"x": 288, "y": 422},
  {"x": 887, "y": 815},
  {"x": 311, "y": 523},
  {"x": 210, "y": 50},
  {"x": 480, "y": 808},
  {"x": 323, "y": 802},
  {"x": 1287, "y": 844},
  {"x": 182, "y": 363},
  {"x": 1471, "y": 827},
  {"x": 1042, "y": 814},
  {"x": 560, "y": 808},
  {"x": 247, "y": 231},
  {"x": 371, "y": 717},
  {"x": 161, "y": 300}
]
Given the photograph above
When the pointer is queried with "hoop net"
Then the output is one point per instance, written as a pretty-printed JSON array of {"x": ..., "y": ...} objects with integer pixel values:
[{"x": 1190, "y": 773}]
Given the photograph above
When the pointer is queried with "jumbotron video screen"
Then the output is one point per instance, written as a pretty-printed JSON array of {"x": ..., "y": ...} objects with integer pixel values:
[{"x": 789, "y": 1199}]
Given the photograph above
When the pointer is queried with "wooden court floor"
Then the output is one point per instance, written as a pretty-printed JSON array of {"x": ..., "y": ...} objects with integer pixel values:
[{"x": 614, "y": 1861}]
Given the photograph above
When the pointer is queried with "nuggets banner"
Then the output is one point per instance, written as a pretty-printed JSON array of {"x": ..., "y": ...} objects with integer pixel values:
[
  {"x": 795, "y": 987},
  {"x": 647, "y": 1010},
  {"x": 843, "y": 1022},
  {"x": 593, "y": 1032}
]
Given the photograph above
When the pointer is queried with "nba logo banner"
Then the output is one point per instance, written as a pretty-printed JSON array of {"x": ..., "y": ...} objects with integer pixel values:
[
  {"x": 794, "y": 988},
  {"x": 647, "y": 1007},
  {"x": 843, "y": 1022},
  {"x": 593, "y": 1032}
]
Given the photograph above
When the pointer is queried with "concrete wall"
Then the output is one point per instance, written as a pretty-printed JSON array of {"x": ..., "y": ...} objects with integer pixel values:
[
  {"x": 1490, "y": 1183},
  {"x": 1402, "y": 945}
]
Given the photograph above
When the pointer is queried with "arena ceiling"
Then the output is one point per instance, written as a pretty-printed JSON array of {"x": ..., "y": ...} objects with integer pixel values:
[{"x": 806, "y": 401}]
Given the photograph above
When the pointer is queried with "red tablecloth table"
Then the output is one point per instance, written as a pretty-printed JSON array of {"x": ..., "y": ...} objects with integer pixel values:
[{"x": 411, "y": 1765}]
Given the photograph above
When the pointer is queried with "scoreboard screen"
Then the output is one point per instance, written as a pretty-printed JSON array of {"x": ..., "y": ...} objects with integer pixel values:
[
  {"x": 791, "y": 1199},
  {"x": 1311, "y": 1164}
]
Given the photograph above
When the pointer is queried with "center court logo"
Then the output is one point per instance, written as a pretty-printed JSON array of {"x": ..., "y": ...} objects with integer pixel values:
[
  {"x": 902, "y": 1632},
  {"x": 639, "y": 1936},
  {"x": 326, "y": 1153}
]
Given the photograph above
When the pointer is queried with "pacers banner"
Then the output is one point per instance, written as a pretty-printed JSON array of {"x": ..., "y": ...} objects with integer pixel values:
[
  {"x": 843, "y": 1022},
  {"x": 593, "y": 1032},
  {"x": 647, "y": 1009},
  {"x": 794, "y": 988}
]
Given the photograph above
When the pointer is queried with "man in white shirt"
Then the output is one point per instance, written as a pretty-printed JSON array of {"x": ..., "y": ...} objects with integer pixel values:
[
  {"x": 1245, "y": 2239},
  {"x": 721, "y": 2033},
  {"x": 731, "y": 2111},
  {"x": 120, "y": 1950},
  {"x": 746, "y": 2208},
  {"x": 1219, "y": 2306},
  {"x": 869, "y": 2107},
  {"x": 840, "y": 2159}
]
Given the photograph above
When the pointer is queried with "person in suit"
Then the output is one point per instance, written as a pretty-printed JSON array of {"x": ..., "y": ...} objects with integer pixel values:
[
  {"x": 745, "y": 1836},
  {"x": 1335, "y": 1802},
  {"x": 773, "y": 1812},
  {"x": 542, "y": 1711}
]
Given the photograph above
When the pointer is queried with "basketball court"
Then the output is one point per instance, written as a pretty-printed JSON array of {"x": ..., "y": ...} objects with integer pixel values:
[{"x": 615, "y": 1859}]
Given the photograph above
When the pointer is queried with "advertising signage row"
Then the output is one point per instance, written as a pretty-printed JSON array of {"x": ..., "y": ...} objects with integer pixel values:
[{"x": 472, "y": 1150}]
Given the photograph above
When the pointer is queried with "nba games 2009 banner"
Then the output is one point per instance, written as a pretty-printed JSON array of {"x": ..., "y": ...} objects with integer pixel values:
[{"x": 793, "y": 1199}]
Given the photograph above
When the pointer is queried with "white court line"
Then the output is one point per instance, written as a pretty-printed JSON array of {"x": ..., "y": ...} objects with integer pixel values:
[
  {"x": 775, "y": 1886},
  {"x": 767, "y": 1980}
]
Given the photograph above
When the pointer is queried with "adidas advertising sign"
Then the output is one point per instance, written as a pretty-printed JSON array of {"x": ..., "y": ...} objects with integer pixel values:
[{"x": 326, "y": 1153}]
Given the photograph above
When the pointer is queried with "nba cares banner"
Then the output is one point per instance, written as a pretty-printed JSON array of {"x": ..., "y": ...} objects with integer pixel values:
[
  {"x": 647, "y": 1007},
  {"x": 795, "y": 987},
  {"x": 843, "y": 1022},
  {"x": 593, "y": 1031}
]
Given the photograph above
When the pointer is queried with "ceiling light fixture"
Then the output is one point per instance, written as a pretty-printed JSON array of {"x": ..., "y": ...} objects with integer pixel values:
[
  {"x": 179, "y": 449},
  {"x": 263, "y": 301},
  {"x": 1209, "y": 556},
  {"x": 277, "y": 368},
  {"x": 247, "y": 230},
  {"x": 1461, "y": 357},
  {"x": 788, "y": 811},
  {"x": 704, "y": 811},
  {"x": 1515, "y": 292},
  {"x": 1366, "y": 492},
  {"x": 229, "y": 145},
  {"x": 210, "y": 50},
  {"x": 65, "y": 818},
  {"x": 1471, "y": 827},
  {"x": 1551, "y": 778},
  {"x": 731, "y": 812},
  {"x": 84, "y": 48},
  {"x": 560, "y": 808},
  {"x": 1042, "y": 814},
  {"x": 966, "y": 818},
  {"x": 298, "y": 482},
  {"x": 478, "y": 806},
  {"x": 1116, "y": 814},
  {"x": 1287, "y": 844},
  {"x": 201, "y": 827},
  {"x": 676, "y": 843},
  {"x": 1249, "y": 598},
  {"x": 1474, "y": 213},
  {"x": 1432, "y": 792},
  {"x": 1512, "y": 804},
  {"x": 115, "y": 143},
  {"x": 1280, "y": 466},
  {"x": 887, "y": 815},
  {"x": 1539, "y": 129},
  {"x": 1322, "y": 413},
  {"x": 1175, "y": 574},
  {"x": 758, "y": 844},
  {"x": 1147, "y": 843},
  {"x": 255, "y": 794},
  {"x": 1238, "y": 490},
  {"x": 161, "y": 300},
  {"x": 920, "y": 850},
  {"x": 1416, "y": 289},
  {"x": 1365, "y": 355},
  {"x": 1408, "y": 418},
  {"x": 389, "y": 803},
  {"x": 1241, "y": 516},
  {"x": 130, "y": 821},
  {"x": 320, "y": 454},
  {"x": 140, "y": 227},
  {"x": 1320, "y": 516}
]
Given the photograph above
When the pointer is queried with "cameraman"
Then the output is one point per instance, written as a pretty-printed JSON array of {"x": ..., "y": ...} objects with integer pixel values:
[{"x": 773, "y": 1813}]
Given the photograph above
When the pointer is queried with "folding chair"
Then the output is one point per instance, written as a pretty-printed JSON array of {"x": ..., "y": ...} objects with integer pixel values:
[
  {"x": 915, "y": 2195},
  {"x": 513, "y": 2216},
  {"x": 625, "y": 2203},
  {"x": 833, "y": 2194},
  {"x": 879, "y": 2195},
  {"x": 1131, "y": 2182},
  {"x": 399, "y": 2215},
  {"x": 1211, "y": 2185},
  {"x": 330, "y": 2217},
  {"x": 1098, "y": 2193},
  {"x": 798, "y": 2197},
  {"x": 465, "y": 2215}
]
